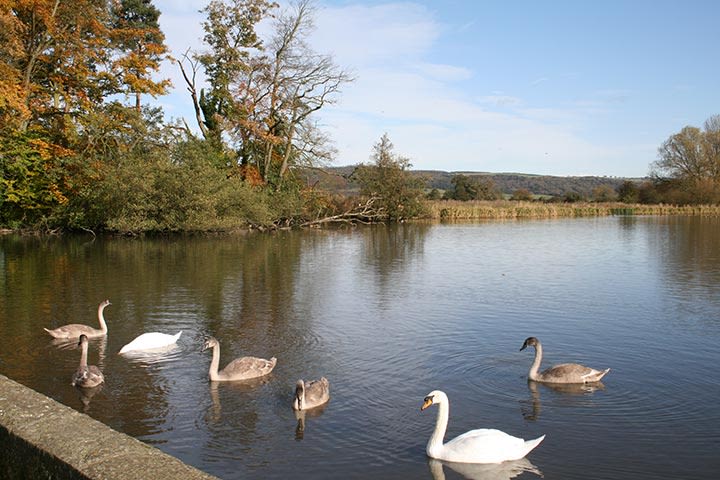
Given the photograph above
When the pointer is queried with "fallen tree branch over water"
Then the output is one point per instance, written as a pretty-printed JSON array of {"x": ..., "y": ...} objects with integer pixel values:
[{"x": 364, "y": 213}]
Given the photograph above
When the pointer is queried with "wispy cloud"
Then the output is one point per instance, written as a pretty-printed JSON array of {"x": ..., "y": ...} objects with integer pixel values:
[
  {"x": 497, "y": 99},
  {"x": 363, "y": 36},
  {"x": 614, "y": 95},
  {"x": 442, "y": 72},
  {"x": 683, "y": 88}
]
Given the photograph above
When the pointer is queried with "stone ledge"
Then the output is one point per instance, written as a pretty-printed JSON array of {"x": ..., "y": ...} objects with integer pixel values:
[{"x": 43, "y": 439}]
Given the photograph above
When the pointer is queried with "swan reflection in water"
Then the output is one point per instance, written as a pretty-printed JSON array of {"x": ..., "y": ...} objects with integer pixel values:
[
  {"x": 86, "y": 394},
  {"x": 65, "y": 343},
  {"x": 239, "y": 386},
  {"x": 532, "y": 407},
  {"x": 302, "y": 415},
  {"x": 484, "y": 471}
]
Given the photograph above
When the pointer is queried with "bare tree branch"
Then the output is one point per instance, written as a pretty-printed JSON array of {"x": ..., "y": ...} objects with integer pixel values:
[{"x": 191, "y": 87}]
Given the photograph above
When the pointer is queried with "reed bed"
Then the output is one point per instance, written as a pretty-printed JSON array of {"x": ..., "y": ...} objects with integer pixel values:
[{"x": 507, "y": 209}]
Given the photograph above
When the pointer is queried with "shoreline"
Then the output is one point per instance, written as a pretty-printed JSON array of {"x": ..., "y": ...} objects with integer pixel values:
[{"x": 451, "y": 210}]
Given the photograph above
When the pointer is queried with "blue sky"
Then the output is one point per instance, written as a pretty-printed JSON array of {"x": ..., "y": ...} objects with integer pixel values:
[{"x": 544, "y": 87}]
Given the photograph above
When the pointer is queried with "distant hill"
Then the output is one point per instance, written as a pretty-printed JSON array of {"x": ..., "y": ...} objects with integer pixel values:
[{"x": 335, "y": 179}]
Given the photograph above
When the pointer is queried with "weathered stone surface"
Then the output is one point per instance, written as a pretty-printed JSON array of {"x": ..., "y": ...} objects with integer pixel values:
[{"x": 42, "y": 439}]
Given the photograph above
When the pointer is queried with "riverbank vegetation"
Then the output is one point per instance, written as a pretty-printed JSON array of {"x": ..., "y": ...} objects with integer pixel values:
[
  {"x": 509, "y": 209},
  {"x": 84, "y": 144}
]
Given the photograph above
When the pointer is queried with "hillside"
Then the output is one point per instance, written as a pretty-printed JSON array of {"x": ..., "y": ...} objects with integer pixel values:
[{"x": 335, "y": 179}]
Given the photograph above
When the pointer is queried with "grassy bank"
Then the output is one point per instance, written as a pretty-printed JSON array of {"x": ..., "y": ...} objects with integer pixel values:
[{"x": 505, "y": 209}]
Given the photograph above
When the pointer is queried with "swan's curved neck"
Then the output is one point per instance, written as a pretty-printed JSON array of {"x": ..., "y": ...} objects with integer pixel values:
[
  {"x": 533, "y": 373},
  {"x": 83, "y": 355},
  {"x": 215, "y": 363},
  {"x": 299, "y": 398},
  {"x": 436, "y": 439},
  {"x": 101, "y": 318}
]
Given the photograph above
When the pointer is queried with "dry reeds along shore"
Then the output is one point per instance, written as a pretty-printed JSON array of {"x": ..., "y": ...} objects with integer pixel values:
[{"x": 506, "y": 209}]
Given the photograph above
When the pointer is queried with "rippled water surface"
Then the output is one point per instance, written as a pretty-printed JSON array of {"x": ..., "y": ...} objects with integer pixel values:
[{"x": 388, "y": 314}]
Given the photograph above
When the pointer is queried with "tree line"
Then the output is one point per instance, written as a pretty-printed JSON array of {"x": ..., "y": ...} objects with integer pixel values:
[{"x": 85, "y": 146}]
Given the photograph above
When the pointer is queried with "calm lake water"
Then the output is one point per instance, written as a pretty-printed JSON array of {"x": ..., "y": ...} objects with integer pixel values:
[{"x": 388, "y": 314}]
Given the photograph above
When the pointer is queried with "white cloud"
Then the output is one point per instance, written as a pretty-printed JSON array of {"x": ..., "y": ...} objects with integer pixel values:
[
  {"x": 570, "y": 118},
  {"x": 362, "y": 36},
  {"x": 613, "y": 95},
  {"x": 182, "y": 24},
  {"x": 449, "y": 73}
]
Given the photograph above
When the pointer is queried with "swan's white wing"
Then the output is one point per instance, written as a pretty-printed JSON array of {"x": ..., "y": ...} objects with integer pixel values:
[{"x": 484, "y": 445}]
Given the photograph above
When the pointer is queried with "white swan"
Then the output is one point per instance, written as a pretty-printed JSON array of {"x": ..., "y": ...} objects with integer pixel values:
[
  {"x": 311, "y": 394},
  {"x": 244, "y": 368},
  {"x": 86, "y": 376},
  {"x": 476, "y": 446},
  {"x": 74, "y": 330},
  {"x": 151, "y": 341},
  {"x": 563, "y": 373}
]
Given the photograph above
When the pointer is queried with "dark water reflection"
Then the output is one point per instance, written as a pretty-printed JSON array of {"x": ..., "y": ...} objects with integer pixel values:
[{"x": 389, "y": 314}]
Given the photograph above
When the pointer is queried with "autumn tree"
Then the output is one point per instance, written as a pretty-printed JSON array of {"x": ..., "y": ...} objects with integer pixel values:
[
  {"x": 231, "y": 39},
  {"x": 522, "y": 194},
  {"x": 14, "y": 109},
  {"x": 60, "y": 60},
  {"x": 140, "y": 47},
  {"x": 58, "y": 79},
  {"x": 295, "y": 83},
  {"x": 52, "y": 52},
  {"x": 387, "y": 181},
  {"x": 51, "y": 67},
  {"x": 628, "y": 192},
  {"x": 604, "y": 193},
  {"x": 263, "y": 94},
  {"x": 691, "y": 160}
]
